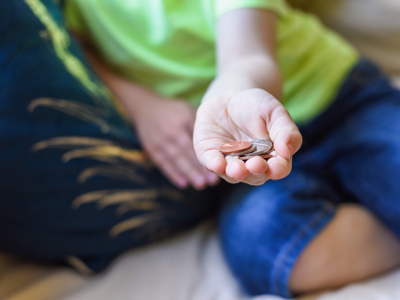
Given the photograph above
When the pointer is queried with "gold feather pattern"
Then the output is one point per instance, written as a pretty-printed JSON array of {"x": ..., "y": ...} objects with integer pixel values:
[
  {"x": 136, "y": 222},
  {"x": 117, "y": 172},
  {"x": 121, "y": 164},
  {"x": 71, "y": 142},
  {"x": 102, "y": 150},
  {"x": 144, "y": 200},
  {"x": 113, "y": 197},
  {"x": 81, "y": 111},
  {"x": 127, "y": 196},
  {"x": 145, "y": 204},
  {"x": 134, "y": 156}
]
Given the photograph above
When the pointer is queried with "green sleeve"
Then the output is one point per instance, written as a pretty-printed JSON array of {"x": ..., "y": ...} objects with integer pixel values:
[
  {"x": 278, "y": 6},
  {"x": 73, "y": 18}
]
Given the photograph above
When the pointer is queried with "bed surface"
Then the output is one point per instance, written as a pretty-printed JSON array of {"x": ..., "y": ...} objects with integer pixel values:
[{"x": 189, "y": 267}]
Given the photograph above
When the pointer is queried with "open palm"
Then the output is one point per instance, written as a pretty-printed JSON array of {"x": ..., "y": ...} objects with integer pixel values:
[{"x": 246, "y": 115}]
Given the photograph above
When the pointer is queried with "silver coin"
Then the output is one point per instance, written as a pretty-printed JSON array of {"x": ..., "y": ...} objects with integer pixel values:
[
  {"x": 261, "y": 149},
  {"x": 267, "y": 143},
  {"x": 252, "y": 149}
]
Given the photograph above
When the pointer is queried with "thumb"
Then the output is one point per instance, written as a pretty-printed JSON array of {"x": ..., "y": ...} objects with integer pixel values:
[{"x": 284, "y": 133}]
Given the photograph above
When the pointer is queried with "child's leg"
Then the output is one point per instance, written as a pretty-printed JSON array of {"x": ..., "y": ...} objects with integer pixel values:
[
  {"x": 367, "y": 167},
  {"x": 354, "y": 246},
  {"x": 264, "y": 229},
  {"x": 285, "y": 237}
]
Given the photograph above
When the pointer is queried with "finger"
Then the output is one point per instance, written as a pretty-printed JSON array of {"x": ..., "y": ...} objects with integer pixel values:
[
  {"x": 163, "y": 162},
  {"x": 278, "y": 167},
  {"x": 189, "y": 170},
  {"x": 257, "y": 165},
  {"x": 251, "y": 179},
  {"x": 284, "y": 133},
  {"x": 211, "y": 178},
  {"x": 236, "y": 169},
  {"x": 173, "y": 173},
  {"x": 229, "y": 180},
  {"x": 214, "y": 161},
  {"x": 185, "y": 141},
  {"x": 186, "y": 163},
  {"x": 255, "y": 179}
]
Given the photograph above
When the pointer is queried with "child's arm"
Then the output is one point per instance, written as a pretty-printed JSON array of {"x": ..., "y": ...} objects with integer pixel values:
[
  {"x": 241, "y": 104},
  {"x": 164, "y": 127}
]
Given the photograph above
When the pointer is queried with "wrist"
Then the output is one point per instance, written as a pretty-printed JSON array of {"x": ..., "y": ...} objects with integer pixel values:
[
  {"x": 136, "y": 100},
  {"x": 245, "y": 74}
]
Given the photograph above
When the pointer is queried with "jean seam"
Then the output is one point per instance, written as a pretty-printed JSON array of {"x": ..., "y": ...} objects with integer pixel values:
[{"x": 284, "y": 253}]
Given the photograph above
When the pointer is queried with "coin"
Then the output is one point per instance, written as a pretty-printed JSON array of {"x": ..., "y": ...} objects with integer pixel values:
[
  {"x": 266, "y": 143},
  {"x": 250, "y": 150},
  {"x": 241, "y": 149},
  {"x": 235, "y": 146},
  {"x": 261, "y": 149}
]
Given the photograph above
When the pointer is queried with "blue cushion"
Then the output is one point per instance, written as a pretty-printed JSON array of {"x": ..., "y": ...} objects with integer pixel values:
[{"x": 74, "y": 183}]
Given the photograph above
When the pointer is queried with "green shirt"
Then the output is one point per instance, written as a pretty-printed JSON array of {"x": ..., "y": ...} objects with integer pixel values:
[{"x": 168, "y": 46}]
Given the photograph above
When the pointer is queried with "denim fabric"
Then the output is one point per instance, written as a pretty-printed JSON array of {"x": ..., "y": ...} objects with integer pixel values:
[
  {"x": 74, "y": 183},
  {"x": 350, "y": 154}
]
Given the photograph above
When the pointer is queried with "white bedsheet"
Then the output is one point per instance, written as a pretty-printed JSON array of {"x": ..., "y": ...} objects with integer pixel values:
[
  {"x": 189, "y": 267},
  {"x": 192, "y": 267}
]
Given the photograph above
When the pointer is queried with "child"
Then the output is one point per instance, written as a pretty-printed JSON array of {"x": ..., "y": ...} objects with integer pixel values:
[
  {"x": 320, "y": 227},
  {"x": 332, "y": 220}
]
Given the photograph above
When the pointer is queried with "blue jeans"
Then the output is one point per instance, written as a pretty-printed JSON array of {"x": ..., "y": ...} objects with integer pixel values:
[{"x": 350, "y": 154}]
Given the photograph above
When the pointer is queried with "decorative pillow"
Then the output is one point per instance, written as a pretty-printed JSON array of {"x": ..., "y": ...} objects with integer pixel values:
[{"x": 74, "y": 183}]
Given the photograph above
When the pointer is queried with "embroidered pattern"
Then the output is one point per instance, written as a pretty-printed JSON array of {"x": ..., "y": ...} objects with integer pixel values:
[
  {"x": 61, "y": 42},
  {"x": 118, "y": 162}
]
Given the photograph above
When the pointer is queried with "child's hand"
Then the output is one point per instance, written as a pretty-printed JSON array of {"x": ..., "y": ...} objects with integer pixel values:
[
  {"x": 246, "y": 115},
  {"x": 165, "y": 128}
]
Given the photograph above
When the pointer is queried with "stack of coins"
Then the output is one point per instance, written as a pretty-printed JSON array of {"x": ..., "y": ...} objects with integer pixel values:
[{"x": 245, "y": 150}]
